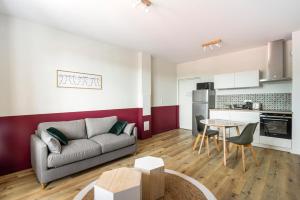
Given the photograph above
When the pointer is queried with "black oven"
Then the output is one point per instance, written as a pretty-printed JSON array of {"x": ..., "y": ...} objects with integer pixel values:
[{"x": 276, "y": 125}]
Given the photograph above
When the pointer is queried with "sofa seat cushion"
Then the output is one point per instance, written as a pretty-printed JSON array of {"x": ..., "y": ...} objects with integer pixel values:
[
  {"x": 76, "y": 150},
  {"x": 111, "y": 142}
]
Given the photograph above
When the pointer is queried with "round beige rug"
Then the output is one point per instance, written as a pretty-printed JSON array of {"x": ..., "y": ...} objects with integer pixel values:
[{"x": 178, "y": 186}]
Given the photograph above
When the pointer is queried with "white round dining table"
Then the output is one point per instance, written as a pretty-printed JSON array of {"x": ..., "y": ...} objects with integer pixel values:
[{"x": 221, "y": 125}]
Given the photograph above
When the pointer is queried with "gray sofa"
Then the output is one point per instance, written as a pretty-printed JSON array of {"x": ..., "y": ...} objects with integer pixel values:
[{"x": 89, "y": 145}]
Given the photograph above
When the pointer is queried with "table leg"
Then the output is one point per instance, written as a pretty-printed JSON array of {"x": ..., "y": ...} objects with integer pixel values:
[
  {"x": 203, "y": 137},
  {"x": 224, "y": 145},
  {"x": 207, "y": 142}
]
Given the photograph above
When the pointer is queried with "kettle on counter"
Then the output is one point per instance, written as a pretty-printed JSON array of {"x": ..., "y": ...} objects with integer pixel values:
[{"x": 256, "y": 106}]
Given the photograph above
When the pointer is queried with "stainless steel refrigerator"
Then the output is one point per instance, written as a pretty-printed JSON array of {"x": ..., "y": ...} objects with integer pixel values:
[{"x": 203, "y": 100}]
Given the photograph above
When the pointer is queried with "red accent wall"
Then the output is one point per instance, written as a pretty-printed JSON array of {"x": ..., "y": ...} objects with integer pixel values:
[
  {"x": 164, "y": 118},
  {"x": 15, "y": 133}
]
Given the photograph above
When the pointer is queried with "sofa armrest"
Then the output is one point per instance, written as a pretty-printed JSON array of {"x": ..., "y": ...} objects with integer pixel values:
[
  {"x": 135, "y": 133},
  {"x": 39, "y": 155}
]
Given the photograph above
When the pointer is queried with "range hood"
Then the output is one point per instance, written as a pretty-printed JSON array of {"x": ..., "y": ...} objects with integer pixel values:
[{"x": 275, "y": 62}]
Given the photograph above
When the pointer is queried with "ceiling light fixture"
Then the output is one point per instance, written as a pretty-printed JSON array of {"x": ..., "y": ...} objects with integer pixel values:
[
  {"x": 135, "y": 3},
  {"x": 146, "y": 4},
  {"x": 211, "y": 44}
]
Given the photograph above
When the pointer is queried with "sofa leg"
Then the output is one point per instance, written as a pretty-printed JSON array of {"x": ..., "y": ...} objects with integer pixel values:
[{"x": 44, "y": 185}]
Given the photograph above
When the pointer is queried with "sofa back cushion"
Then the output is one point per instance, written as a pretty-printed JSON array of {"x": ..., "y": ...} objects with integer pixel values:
[
  {"x": 72, "y": 129},
  {"x": 97, "y": 126}
]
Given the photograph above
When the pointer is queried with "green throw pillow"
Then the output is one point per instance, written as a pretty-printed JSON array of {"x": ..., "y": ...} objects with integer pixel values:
[
  {"x": 118, "y": 127},
  {"x": 58, "y": 135}
]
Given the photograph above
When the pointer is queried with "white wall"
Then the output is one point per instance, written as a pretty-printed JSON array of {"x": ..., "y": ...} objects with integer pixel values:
[
  {"x": 245, "y": 60},
  {"x": 144, "y": 82},
  {"x": 30, "y": 54},
  {"x": 164, "y": 82},
  {"x": 250, "y": 59},
  {"x": 296, "y": 93}
]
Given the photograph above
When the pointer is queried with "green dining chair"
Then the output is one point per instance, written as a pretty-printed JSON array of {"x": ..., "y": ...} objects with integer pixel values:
[
  {"x": 245, "y": 140},
  {"x": 209, "y": 134}
]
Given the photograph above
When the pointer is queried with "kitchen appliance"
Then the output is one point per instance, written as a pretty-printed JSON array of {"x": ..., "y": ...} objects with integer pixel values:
[
  {"x": 275, "y": 70},
  {"x": 278, "y": 125},
  {"x": 205, "y": 86},
  {"x": 203, "y": 100},
  {"x": 237, "y": 106},
  {"x": 256, "y": 106},
  {"x": 248, "y": 105}
]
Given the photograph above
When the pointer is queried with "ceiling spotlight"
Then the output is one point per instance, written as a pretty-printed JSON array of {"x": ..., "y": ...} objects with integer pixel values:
[
  {"x": 135, "y": 3},
  {"x": 146, "y": 4},
  {"x": 147, "y": 9}
]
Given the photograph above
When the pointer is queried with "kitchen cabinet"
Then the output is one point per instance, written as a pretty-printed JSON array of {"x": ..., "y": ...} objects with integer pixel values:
[
  {"x": 241, "y": 116},
  {"x": 246, "y": 79},
  {"x": 237, "y": 80},
  {"x": 223, "y": 81},
  {"x": 219, "y": 114},
  {"x": 277, "y": 142}
]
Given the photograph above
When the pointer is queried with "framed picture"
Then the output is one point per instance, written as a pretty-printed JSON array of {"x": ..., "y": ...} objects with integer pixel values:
[{"x": 68, "y": 79}]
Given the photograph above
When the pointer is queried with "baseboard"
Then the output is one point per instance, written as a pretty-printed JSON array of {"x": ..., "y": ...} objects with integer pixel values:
[
  {"x": 271, "y": 147},
  {"x": 295, "y": 151}
]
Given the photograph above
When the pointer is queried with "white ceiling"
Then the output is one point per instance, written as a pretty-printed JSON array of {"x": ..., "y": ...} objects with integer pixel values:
[{"x": 173, "y": 29}]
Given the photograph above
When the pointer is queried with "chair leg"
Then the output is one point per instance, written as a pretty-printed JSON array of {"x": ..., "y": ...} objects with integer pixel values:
[
  {"x": 227, "y": 147},
  {"x": 207, "y": 142},
  {"x": 196, "y": 141},
  {"x": 202, "y": 140},
  {"x": 216, "y": 143},
  {"x": 253, "y": 154},
  {"x": 237, "y": 152},
  {"x": 230, "y": 145},
  {"x": 243, "y": 157},
  {"x": 44, "y": 185}
]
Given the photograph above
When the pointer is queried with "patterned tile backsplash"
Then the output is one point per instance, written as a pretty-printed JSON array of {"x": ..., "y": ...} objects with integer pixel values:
[{"x": 269, "y": 101}]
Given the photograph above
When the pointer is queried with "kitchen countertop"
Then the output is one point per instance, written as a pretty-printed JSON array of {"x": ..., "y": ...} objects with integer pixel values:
[
  {"x": 236, "y": 110},
  {"x": 247, "y": 110}
]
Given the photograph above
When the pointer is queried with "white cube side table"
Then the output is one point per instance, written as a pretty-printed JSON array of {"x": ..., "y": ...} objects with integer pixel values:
[
  {"x": 153, "y": 177},
  {"x": 119, "y": 184}
]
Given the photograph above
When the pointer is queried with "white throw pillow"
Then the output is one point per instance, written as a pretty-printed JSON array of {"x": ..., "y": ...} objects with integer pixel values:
[
  {"x": 129, "y": 128},
  {"x": 53, "y": 144}
]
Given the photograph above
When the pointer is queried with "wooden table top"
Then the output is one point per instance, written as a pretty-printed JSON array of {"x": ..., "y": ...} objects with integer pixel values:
[
  {"x": 221, "y": 123},
  {"x": 148, "y": 163},
  {"x": 120, "y": 179}
]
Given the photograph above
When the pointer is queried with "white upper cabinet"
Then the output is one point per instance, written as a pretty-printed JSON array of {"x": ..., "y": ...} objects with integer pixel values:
[
  {"x": 237, "y": 80},
  {"x": 247, "y": 79},
  {"x": 223, "y": 81}
]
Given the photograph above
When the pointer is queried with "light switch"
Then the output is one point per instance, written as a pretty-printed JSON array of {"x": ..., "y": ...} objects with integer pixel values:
[{"x": 146, "y": 125}]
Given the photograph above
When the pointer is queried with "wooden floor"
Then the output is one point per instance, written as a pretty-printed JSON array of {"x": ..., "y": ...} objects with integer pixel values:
[{"x": 277, "y": 177}]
